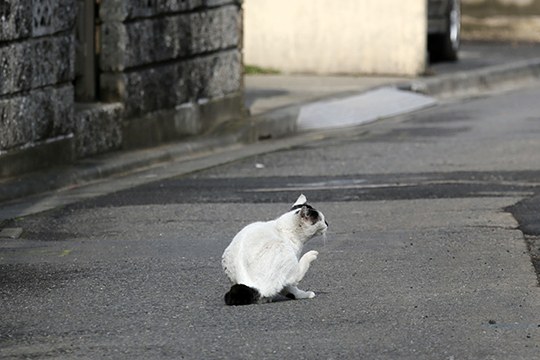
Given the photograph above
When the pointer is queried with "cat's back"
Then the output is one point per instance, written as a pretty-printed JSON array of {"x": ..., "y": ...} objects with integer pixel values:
[
  {"x": 259, "y": 227},
  {"x": 254, "y": 233},
  {"x": 247, "y": 242}
]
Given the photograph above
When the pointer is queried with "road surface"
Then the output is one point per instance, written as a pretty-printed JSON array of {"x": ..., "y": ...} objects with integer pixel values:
[{"x": 424, "y": 257}]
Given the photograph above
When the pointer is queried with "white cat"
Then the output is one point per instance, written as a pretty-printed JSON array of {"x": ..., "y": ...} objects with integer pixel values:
[{"x": 263, "y": 260}]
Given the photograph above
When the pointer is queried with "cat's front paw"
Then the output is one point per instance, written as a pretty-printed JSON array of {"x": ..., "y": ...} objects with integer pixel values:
[
  {"x": 310, "y": 294},
  {"x": 311, "y": 255}
]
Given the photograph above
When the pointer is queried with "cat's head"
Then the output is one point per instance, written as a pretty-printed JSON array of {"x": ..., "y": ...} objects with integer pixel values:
[{"x": 304, "y": 220}]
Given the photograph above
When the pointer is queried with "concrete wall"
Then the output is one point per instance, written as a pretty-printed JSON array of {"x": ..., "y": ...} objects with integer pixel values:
[
  {"x": 329, "y": 37},
  {"x": 164, "y": 70}
]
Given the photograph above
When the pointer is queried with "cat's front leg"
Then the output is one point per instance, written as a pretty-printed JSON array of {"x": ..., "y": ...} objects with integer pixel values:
[
  {"x": 303, "y": 265},
  {"x": 292, "y": 292}
]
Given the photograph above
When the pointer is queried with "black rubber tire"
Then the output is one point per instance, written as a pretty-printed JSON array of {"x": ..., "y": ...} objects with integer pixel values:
[{"x": 445, "y": 46}]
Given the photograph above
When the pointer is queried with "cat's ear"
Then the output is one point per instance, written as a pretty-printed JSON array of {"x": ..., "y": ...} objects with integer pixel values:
[
  {"x": 304, "y": 212},
  {"x": 308, "y": 214},
  {"x": 300, "y": 201}
]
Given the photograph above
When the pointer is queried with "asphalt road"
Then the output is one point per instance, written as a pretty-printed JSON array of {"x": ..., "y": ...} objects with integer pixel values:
[{"x": 424, "y": 257}]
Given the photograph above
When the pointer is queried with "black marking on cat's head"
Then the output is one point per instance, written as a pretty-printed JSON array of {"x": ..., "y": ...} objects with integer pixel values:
[
  {"x": 307, "y": 212},
  {"x": 301, "y": 206}
]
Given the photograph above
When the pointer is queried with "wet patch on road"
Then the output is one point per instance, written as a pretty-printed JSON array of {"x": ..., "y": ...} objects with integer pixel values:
[
  {"x": 441, "y": 118},
  {"x": 396, "y": 135},
  {"x": 527, "y": 213},
  {"x": 36, "y": 278},
  {"x": 323, "y": 188}
]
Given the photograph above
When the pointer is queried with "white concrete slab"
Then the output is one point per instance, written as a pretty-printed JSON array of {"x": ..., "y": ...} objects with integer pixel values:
[{"x": 361, "y": 109}]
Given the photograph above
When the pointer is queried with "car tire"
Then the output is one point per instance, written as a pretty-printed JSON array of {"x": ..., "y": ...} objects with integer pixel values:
[{"x": 445, "y": 46}]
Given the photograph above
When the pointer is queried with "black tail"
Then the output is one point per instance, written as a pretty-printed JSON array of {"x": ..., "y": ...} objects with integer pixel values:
[{"x": 241, "y": 295}]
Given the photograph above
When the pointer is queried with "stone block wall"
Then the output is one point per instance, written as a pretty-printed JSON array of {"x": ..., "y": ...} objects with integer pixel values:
[
  {"x": 165, "y": 69},
  {"x": 36, "y": 75},
  {"x": 160, "y": 58}
]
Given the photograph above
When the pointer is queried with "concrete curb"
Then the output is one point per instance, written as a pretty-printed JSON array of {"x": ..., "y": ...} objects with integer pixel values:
[
  {"x": 283, "y": 121},
  {"x": 270, "y": 125},
  {"x": 114, "y": 164},
  {"x": 479, "y": 80}
]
